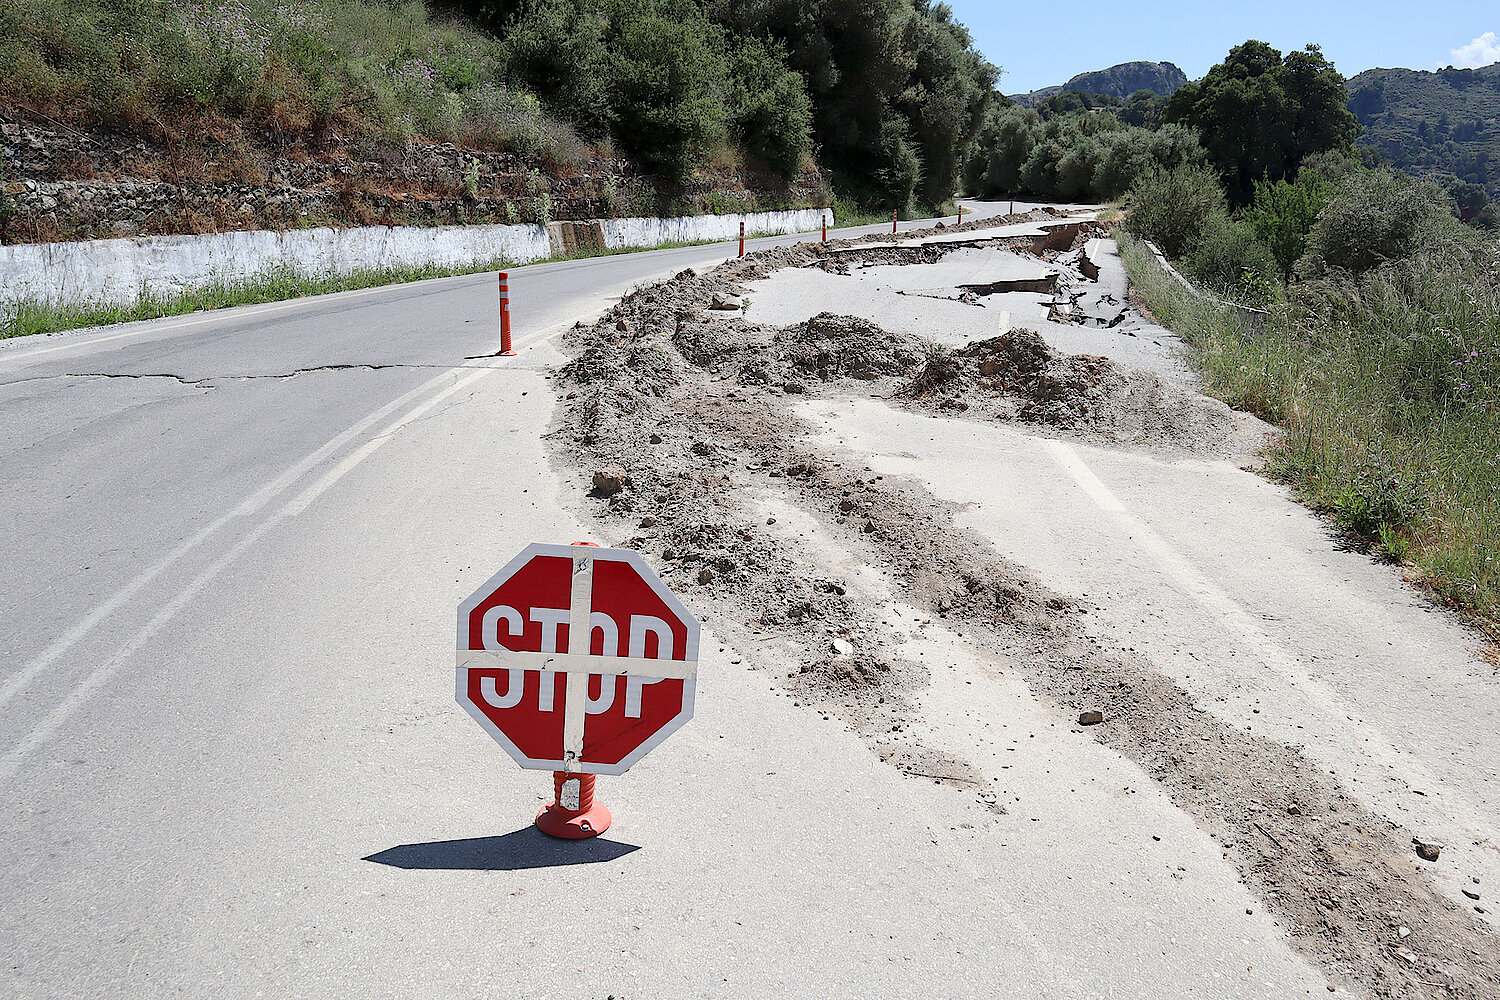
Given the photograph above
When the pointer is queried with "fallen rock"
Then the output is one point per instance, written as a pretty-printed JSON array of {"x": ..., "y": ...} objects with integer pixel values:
[
  {"x": 728, "y": 303},
  {"x": 1404, "y": 933},
  {"x": 1090, "y": 718},
  {"x": 705, "y": 575},
  {"x": 844, "y": 647},
  {"x": 610, "y": 480},
  {"x": 1427, "y": 850}
]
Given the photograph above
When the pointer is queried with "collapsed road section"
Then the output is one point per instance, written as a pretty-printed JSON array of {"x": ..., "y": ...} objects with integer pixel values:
[{"x": 712, "y": 440}]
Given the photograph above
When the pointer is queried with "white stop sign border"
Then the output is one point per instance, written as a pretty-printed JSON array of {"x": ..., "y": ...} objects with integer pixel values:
[{"x": 632, "y": 668}]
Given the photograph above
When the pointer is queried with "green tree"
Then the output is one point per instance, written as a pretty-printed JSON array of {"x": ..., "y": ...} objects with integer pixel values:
[
  {"x": 770, "y": 112},
  {"x": 1282, "y": 215},
  {"x": 671, "y": 82},
  {"x": 1001, "y": 149},
  {"x": 1260, "y": 115}
]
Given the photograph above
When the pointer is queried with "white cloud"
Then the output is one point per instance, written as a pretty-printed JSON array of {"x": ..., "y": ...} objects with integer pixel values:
[{"x": 1480, "y": 52}]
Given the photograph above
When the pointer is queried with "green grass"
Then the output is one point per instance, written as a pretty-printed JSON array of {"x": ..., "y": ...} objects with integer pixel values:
[
  {"x": 28, "y": 317},
  {"x": 1389, "y": 398}
]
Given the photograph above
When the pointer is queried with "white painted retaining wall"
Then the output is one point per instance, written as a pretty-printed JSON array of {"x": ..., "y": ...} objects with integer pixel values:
[
  {"x": 688, "y": 228},
  {"x": 120, "y": 271}
]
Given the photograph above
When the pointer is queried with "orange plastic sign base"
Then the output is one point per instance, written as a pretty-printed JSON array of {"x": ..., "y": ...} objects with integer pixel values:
[{"x": 586, "y": 817}]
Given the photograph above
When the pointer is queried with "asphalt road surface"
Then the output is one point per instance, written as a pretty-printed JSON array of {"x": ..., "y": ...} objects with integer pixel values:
[{"x": 232, "y": 765}]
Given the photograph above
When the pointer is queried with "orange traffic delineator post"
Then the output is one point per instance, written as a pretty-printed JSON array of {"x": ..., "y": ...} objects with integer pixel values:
[
  {"x": 573, "y": 814},
  {"x": 825, "y": 227},
  {"x": 894, "y": 211},
  {"x": 742, "y": 238},
  {"x": 960, "y": 215},
  {"x": 506, "y": 350}
]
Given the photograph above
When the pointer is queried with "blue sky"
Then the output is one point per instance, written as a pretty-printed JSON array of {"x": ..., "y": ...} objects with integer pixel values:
[{"x": 1040, "y": 44}]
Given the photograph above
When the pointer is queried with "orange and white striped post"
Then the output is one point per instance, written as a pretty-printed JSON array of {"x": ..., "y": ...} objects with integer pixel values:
[
  {"x": 506, "y": 350},
  {"x": 960, "y": 215},
  {"x": 742, "y": 237},
  {"x": 825, "y": 227},
  {"x": 893, "y": 220}
]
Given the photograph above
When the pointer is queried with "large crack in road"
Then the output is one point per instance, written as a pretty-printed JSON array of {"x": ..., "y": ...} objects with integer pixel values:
[{"x": 694, "y": 419}]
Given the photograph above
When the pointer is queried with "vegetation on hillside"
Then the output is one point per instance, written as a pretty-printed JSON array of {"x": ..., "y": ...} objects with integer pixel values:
[
  {"x": 1442, "y": 123},
  {"x": 887, "y": 93},
  {"x": 1076, "y": 157}
]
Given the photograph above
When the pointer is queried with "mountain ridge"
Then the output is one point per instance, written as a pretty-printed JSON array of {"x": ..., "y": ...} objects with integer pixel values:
[{"x": 1120, "y": 80}]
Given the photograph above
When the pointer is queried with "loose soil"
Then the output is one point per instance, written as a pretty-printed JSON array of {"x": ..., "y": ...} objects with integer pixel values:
[{"x": 699, "y": 409}]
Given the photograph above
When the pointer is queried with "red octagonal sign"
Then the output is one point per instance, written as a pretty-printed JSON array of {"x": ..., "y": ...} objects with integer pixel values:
[{"x": 557, "y": 705}]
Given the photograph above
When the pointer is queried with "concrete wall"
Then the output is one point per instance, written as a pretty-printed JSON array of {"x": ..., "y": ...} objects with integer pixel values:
[{"x": 120, "y": 271}]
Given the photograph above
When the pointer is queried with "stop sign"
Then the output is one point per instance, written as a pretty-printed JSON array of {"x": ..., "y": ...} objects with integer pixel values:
[{"x": 560, "y": 704}]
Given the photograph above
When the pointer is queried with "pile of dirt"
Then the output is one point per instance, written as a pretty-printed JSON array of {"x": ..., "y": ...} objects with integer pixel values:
[
  {"x": 671, "y": 398},
  {"x": 825, "y": 348},
  {"x": 1017, "y": 376}
]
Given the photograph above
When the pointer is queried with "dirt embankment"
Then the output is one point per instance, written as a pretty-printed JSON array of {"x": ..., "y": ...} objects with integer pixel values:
[
  {"x": 62, "y": 183},
  {"x": 693, "y": 413}
]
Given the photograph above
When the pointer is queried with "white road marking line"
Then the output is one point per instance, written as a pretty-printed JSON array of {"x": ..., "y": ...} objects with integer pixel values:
[
  {"x": 1084, "y": 476},
  {"x": 268, "y": 493},
  {"x": 1244, "y": 628},
  {"x": 18, "y": 681},
  {"x": 85, "y": 690}
]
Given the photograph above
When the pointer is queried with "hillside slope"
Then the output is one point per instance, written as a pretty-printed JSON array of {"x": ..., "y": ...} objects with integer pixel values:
[
  {"x": 1427, "y": 123},
  {"x": 1120, "y": 81}
]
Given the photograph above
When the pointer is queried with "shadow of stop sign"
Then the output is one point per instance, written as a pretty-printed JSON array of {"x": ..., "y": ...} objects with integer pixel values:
[{"x": 557, "y": 703}]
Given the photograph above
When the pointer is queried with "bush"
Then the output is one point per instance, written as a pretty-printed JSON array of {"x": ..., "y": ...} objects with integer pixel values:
[
  {"x": 670, "y": 85},
  {"x": 1378, "y": 216},
  {"x": 1171, "y": 208},
  {"x": 1231, "y": 259},
  {"x": 770, "y": 112},
  {"x": 1282, "y": 215}
]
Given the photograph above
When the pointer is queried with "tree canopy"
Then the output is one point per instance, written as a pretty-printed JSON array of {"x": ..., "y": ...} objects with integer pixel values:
[
  {"x": 1261, "y": 114},
  {"x": 889, "y": 93}
]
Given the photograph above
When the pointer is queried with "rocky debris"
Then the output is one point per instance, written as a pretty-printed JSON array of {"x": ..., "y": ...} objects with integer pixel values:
[
  {"x": 1427, "y": 850},
  {"x": 727, "y": 302},
  {"x": 610, "y": 480},
  {"x": 1090, "y": 718},
  {"x": 1042, "y": 385}
]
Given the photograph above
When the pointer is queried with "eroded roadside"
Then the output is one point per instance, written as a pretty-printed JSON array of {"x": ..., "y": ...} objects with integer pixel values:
[{"x": 692, "y": 413}]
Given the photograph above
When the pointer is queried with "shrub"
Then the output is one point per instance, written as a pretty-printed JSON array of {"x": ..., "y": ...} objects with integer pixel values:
[
  {"x": 1230, "y": 258},
  {"x": 1378, "y": 216},
  {"x": 770, "y": 112},
  {"x": 1171, "y": 208},
  {"x": 1282, "y": 214}
]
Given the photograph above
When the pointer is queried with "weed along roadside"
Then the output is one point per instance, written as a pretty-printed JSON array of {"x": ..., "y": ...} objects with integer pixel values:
[{"x": 1387, "y": 418}]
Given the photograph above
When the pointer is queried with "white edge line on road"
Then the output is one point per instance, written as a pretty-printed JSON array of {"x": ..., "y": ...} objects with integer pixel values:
[
  {"x": 1239, "y": 623},
  {"x": 76, "y": 698}
]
